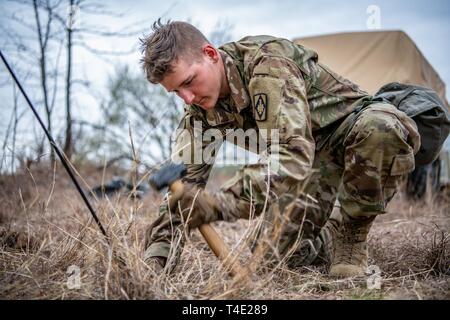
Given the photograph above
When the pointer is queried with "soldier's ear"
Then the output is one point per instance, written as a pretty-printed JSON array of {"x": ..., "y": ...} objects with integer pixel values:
[{"x": 210, "y": 52}]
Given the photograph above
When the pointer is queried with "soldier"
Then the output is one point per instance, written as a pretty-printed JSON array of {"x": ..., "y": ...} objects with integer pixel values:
[{"x": 334, "y": 142}]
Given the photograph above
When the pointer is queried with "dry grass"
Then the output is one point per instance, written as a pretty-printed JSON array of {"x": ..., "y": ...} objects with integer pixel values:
[{"x": 45, "y": 228}]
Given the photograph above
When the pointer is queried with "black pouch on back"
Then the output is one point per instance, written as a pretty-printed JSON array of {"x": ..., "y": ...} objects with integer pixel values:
[{"x": 429, "y": 112}]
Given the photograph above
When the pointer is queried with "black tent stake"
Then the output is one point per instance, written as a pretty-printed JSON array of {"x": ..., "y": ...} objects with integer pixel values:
[{"x": 55, "y": 147}]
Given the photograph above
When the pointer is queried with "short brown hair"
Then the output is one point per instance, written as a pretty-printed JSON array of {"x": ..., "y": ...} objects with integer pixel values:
[{"x": 167, "y": 43}]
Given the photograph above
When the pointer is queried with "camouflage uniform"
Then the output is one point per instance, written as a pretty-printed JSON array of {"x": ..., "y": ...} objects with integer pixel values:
[{"x": 333, "y": 143}]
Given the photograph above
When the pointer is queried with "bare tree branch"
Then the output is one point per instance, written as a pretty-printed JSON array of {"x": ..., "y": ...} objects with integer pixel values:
[
  {"x": 21, "y": 22},
  {"x": 98, "y": 9},
  {"x": 105, "y": 52},
  {"x": 56, "y": 76},
  {"x": 115, "y": 34}
]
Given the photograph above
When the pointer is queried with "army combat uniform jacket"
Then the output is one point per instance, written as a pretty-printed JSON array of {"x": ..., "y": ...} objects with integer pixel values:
[{"x": 332, "y": 141}]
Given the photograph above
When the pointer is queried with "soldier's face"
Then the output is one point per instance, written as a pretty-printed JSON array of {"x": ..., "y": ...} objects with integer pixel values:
[{"x": 197, "y": 81}]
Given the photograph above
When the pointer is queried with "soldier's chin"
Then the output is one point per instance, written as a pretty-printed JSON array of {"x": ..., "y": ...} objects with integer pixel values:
[{"x": 207, "y": 103}]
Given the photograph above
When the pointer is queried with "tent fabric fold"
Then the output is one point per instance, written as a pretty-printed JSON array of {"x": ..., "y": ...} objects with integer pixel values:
[{"x": 375, "y": 58}]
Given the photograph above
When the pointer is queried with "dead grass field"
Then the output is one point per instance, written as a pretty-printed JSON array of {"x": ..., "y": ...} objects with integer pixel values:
[{"x": 45, "y": 228}]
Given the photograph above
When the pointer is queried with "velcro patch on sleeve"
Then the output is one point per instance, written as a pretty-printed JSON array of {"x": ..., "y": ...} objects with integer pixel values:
[{"x": 260, "y": 105}]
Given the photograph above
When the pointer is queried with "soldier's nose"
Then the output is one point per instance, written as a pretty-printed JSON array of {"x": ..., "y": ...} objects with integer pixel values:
[{"x": 187, "y": 96}]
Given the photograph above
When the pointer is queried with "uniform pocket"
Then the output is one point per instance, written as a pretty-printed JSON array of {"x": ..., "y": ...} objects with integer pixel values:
[
  {"x": 218, "y": 117},
  {"x": 402, "y": 164}
]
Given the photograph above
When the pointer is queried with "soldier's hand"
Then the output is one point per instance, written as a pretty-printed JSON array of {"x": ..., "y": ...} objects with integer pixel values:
[{"x": 198, "y": 207}]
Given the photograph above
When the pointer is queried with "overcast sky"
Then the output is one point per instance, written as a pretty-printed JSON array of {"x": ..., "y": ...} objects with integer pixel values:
[{"x": 425, "y": 21}]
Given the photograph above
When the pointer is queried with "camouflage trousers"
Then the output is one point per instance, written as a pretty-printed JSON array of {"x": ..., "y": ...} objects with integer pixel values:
[{"x": 359, "y": 163}]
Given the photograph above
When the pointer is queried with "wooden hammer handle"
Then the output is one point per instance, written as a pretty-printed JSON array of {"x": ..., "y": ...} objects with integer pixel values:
[
  {"x": 220, "y": 249},
  {"x": 212, "y": 238}
]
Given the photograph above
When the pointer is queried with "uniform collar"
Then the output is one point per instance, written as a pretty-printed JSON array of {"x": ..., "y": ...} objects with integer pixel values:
[{"x": 239, "y": 95}]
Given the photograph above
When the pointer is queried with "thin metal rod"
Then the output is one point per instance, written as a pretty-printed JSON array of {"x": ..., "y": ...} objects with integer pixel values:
[{"x": 56, "y": 148}]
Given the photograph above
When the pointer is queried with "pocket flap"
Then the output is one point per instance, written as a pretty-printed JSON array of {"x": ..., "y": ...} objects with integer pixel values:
[
  {"x": 218, "y": 117},
  {"x": 403, "y": 164}
]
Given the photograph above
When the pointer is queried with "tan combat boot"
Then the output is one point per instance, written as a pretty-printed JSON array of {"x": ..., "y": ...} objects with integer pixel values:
[
  {"x": 328, "y": 235},
  {"x": 350, "y": 255},
  {"x": 155, "y": 263}
]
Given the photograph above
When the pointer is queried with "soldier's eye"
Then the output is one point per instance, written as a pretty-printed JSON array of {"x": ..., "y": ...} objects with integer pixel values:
[{"x": 189, "y": 81}]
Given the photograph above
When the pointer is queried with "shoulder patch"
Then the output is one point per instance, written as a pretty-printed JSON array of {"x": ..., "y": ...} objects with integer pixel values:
[{"x": 260, "y": 106}]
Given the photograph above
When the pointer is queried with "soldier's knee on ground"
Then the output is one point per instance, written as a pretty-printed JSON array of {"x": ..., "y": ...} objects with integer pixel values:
[
  {"x": 164, "y": 237},
  {"x": 287, "y": 234}
]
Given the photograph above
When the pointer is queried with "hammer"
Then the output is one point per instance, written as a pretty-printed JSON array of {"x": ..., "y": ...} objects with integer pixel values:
[{"x": 170, "y": 175}]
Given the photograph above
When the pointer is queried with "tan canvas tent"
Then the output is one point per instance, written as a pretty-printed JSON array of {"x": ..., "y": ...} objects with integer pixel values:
[{"x": 372, "y": 59}]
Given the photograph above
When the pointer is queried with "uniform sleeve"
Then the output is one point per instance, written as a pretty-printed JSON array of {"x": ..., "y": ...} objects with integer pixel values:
[
  {"x": 279, "y": 101},
  {"x": 166, "y": 228},
  {"x": 189, "y": 148},
  {"x": 280, "y": 108}
]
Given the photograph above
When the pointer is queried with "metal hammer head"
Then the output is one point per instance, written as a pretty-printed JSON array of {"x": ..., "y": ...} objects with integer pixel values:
[{"x": 168, "y": 174}]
